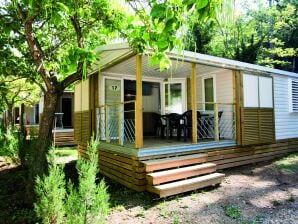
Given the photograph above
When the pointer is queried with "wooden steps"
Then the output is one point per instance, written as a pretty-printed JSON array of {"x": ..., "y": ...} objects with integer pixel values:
[
  {"x": 174, "y": 175},
  {"x": 64, "y": 138},
  {"x": 160, "y": 164},
  {"x": 187, "y": 185},
  {"x": 180, "y": 173}
]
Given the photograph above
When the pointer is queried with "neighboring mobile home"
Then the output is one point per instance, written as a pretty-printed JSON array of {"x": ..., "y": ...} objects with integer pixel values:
[
  {"x": 150, "y": 137},
  {"x": 63, "y": 132}
]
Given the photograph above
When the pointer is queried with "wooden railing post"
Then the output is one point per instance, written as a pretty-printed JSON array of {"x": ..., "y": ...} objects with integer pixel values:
[
  {"x": 194, "y": 103},
  {"x": 107, "y": 124},
  {"x": 216, "y": 119},
  {"x": 139, "y": 104}
]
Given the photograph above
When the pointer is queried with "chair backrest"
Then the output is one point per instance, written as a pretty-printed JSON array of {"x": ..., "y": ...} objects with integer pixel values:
[
  {"x": 220, "y": 114},
  {"x": 187, "y": 118},
  {"x": 174, "y": 118},
  {"x": 157, "y": 119}
]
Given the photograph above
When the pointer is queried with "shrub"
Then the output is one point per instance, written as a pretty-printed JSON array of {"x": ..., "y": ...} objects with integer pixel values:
[
  {"x": 50, "y": 192},
  {"x": 86, "y": 203},
  {"x": 11, "y": 141}
]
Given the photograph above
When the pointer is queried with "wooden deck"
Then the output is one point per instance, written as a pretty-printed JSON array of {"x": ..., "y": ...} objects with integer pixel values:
[
  {"x": 134, "y": 171},
  {"x": 63, "y": 137}
]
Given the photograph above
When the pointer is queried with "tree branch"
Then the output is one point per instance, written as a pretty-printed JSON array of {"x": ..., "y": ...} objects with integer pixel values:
[
  {"x": 34, "y": 46},
  {"x": 71, "y": 79}
]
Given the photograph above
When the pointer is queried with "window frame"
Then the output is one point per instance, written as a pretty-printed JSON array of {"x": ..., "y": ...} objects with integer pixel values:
[
  {"x": 258, "y": 89},
  {"x": 213, "y": 76}
]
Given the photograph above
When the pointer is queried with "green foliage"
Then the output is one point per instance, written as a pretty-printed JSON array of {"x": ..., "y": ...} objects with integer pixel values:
[
  {"x": 289, "y": 163},
  {"x": 232, "y": 211},
  {"x": 255, "y": 33},
  {"x": 10, "y": 143},
  {"x": 162, "y": 26},
  {"x": 50, "y": 192},
  {"x": 85, "y": 203},
  {"x": 88, "y": 203}
]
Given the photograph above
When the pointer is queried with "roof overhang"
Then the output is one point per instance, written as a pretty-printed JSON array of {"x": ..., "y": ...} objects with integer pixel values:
[{"x": 114, "y": 54}]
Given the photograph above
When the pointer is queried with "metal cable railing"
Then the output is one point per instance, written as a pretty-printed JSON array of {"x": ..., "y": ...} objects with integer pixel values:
[
  {"x": 216, "y": 121},
  {"x": 116, "y": 122}
]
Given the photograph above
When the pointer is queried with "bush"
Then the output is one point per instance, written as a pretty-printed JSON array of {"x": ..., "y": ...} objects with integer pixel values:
[
  {"x": 86, "y": 203},
  {"x": 11, "y": 141},
  {"x": 50, "y": 192}
]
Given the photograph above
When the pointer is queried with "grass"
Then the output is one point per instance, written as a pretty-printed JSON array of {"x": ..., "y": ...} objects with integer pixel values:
[
  {"x": 66, "y": 151},
  {"x": 232, "y": 211},
  {"x": 288, "y": 163}
]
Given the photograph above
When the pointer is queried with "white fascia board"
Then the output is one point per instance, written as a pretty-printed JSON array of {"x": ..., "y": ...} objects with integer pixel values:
[{"x": 228, "y": 63}]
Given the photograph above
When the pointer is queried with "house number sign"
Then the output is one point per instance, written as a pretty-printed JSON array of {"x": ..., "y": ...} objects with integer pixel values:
[{"x": 115, "y": 88}]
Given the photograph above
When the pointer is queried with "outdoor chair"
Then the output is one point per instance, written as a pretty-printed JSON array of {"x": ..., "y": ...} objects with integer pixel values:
[
  {"x": 159, "y": 125},
  {"x": 174, "y": 123}
]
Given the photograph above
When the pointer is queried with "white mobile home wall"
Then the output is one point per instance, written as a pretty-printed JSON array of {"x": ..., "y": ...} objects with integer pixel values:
[{"x": 286, "y": 122}]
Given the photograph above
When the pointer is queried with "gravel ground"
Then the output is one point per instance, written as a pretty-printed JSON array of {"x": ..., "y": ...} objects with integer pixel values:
[{"x": 250, "y": 194}]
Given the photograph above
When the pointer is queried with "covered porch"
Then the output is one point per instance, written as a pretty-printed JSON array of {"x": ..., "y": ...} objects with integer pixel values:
[{"x": 149, "y": 110}]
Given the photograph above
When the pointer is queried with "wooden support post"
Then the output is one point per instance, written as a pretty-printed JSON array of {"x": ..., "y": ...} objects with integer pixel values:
[
  {"x": 194, "y": 102},
  {"x": 139, "y": 104},
  {"x": 236, "y": 101},
  {"x": 107, "y": 123}
]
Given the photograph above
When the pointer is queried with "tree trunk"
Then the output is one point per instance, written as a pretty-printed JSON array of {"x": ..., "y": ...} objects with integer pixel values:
[
  {"x": 9, "y": 115},
  {"x": 38, "y": 150}
]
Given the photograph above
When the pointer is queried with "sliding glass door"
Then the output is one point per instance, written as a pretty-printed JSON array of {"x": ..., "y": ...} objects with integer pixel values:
[{"x": 174, "y": 97}]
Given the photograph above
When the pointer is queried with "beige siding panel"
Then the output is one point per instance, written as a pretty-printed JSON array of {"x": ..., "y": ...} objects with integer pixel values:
[
  {"x": 85, "y": 95},
  {"x": 224, "y": 86},
  {"x": 78, "y": 97}
]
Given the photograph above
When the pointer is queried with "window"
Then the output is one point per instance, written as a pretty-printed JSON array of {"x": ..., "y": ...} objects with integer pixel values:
[
  {"x": 293, "y": 87},
  {"x": 208, "y": 93},
  {"x": 257, "y": 91}
]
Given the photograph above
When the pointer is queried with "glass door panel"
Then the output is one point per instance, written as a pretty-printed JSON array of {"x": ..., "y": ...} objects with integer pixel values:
[
  {"x": 173, "y": 98},
  {"x": 209, "y": 93},
  {"x": 113, "y": 114}
]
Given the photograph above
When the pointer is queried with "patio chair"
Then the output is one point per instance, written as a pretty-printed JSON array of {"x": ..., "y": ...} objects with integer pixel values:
[
  {"x": 159, "y": 125},
  {"x": 174, "y": 123}
]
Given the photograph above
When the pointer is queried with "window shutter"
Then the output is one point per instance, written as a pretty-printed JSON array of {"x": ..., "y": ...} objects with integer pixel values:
[{"x": 295, "y": 95}]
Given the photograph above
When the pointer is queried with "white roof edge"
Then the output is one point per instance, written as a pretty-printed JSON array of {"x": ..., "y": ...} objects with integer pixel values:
[
  {"x": 109, "y": 47},
  {"x": 228, "y": 63},
  {"x": 209, "y": 60}
]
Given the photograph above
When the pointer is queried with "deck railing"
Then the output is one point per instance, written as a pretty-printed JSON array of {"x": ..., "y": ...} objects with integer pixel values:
[
  {"x": 116, "y": 122},
  {"x": 216, "y": 121}
]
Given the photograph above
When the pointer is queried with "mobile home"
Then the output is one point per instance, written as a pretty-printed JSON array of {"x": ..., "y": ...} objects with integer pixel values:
[{"x": 169, "y": 131}]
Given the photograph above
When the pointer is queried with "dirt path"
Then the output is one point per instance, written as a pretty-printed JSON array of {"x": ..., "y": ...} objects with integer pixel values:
[{"x": 250, "y": 194}]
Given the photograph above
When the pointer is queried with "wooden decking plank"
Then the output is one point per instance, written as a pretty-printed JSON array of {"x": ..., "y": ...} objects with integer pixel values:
[
  {"x": 159, "y": 164},
  {"x": 165, "y": 190},
  {"x": 123, "y": 176},
  {"x": 180, "y": 173}
]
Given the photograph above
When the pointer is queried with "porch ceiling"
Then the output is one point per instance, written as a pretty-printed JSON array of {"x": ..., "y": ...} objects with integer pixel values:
[{"x": 179, "y": 69}]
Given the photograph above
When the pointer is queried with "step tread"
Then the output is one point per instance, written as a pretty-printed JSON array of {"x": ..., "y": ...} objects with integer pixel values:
[
  {"x": 189, "y": 181},
  {"x": 161, "y": 177},
  {"x": 181, "y": 170},
  {"x": 173, "y": 162},
  {"x": 182, "y": 186}
]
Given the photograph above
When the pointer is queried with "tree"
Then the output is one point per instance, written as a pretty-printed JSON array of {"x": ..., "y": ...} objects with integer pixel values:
[
  {"x": 15, "y": 91},
  {"x": 265, "y": 35},
  {"x": 61, "y": 36}
]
